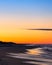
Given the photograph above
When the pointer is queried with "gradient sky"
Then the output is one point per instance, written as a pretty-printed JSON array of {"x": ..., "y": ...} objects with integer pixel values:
[{"x": 18, "y": 15}]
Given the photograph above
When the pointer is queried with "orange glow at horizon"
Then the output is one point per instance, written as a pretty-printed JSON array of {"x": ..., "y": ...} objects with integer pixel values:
[{"x": 26, "y": 36}]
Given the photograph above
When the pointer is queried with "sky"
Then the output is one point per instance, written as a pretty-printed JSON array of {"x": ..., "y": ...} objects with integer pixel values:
[{"x": 17, "y": 16}]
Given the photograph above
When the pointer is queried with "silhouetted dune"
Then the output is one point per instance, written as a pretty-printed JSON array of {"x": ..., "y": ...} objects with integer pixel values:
[{"x": 7, "y": 43}]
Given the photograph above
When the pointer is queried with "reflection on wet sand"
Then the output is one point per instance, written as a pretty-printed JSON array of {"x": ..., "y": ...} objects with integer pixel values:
[
  {"x": 31, "y": 59},
  {"x": 37, "y": 51}
]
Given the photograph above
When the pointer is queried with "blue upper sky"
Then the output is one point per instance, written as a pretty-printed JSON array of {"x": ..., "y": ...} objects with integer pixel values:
[
  {"x": 40, "y": 10},
  {"x": 26, "y": 6}
]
